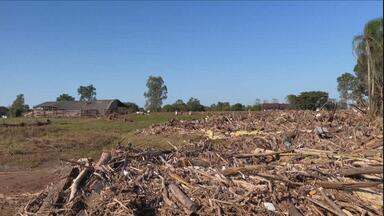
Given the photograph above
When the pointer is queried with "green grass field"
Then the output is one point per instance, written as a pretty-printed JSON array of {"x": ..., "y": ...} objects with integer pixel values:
[{"x": 65, "y": 138}]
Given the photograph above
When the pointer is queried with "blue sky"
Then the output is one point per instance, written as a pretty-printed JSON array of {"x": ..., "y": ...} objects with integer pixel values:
[{"x": 212, "y": 50}]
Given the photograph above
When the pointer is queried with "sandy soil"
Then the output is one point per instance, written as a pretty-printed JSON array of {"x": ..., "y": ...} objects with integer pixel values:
[{"x": 17, "y": 187}]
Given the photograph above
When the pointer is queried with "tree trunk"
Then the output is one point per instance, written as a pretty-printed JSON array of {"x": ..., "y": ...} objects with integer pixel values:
[{"x": 370, "y": 79}]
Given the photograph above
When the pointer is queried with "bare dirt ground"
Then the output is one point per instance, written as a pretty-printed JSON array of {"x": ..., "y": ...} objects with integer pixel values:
[
  {"x": 25, "y": 181},
  {"x": 19, "y": 186}
]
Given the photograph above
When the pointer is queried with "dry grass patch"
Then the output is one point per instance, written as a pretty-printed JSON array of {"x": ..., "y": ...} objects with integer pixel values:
[{"x": 40, "y": 146}]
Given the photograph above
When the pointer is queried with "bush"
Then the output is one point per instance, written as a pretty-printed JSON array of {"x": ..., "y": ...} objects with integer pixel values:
[
  {"x": 179, "y": 105},
  {"x": 18, "y": 106},
  {"x": 168, "y": 108},
  {"x": 308, "y": 100},
  {"x": 221, "y": 106},
  {"x": 194, "y": 105},
  {"x": 237, "y": 107},
  {"x": 256, "y": 107}
]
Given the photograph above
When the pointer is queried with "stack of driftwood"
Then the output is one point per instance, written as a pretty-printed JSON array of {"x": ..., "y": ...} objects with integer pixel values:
[{"x": 316, "y": 166}]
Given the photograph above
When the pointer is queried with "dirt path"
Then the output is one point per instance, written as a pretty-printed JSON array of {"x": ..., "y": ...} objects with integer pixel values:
[{"x": 16, "y": 188}]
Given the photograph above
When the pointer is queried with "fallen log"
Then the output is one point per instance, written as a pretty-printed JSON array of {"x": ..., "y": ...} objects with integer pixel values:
[
  {"x": 251, "y": 187},
  {"x": 346, "y": 186},
  {"x": 183, "y": 199},
  {"x": 35, "y": 204},
  {"x": 57, "y": 192},
  {"x": 362, "y": 170},
  {"x": 78, "y": 181},
  {"x": 331, "y": 203},
  {"x": 293, "y": 210},
  {"x": 278, "y": 178},
  {"x": 251, "y": 168},
  {"x": 164, "y": 193},
  {"x": 104, "y": 158},
  {"x": 261, "y": 154}
]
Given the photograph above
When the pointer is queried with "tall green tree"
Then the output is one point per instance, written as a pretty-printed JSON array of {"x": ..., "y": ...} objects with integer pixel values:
[
  {"x": 179, "y": 105},
  {"x": 156, "y": 93},
  {"x": 65, "y": 97},
  {"x": 291, "y": 100},
  {"x": 368, "y": 48},
  {"x": 193, "y": 104},
  {"x": 18, "y": 106},
  {"x": 87, "y": 93},
  {"x": 346, "y": 85}
]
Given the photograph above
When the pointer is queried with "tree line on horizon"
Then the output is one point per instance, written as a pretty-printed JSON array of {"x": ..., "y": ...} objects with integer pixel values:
[{"x": 157, "y": 93}]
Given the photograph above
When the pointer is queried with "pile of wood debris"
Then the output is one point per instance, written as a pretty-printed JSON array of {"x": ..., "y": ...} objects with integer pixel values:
[{"x": 272, "y": 163}]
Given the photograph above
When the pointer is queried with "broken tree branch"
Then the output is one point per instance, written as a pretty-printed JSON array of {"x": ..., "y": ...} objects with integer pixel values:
[{"x": 182, "y": 198}]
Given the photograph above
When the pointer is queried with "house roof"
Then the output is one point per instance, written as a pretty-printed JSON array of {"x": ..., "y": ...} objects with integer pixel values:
[
  {"x": 3, "y": 110},
  {"x": 99, "y": 105}
]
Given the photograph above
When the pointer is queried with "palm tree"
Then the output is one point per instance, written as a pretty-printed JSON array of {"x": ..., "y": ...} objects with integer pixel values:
[{"x": 368, "y": 49}]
